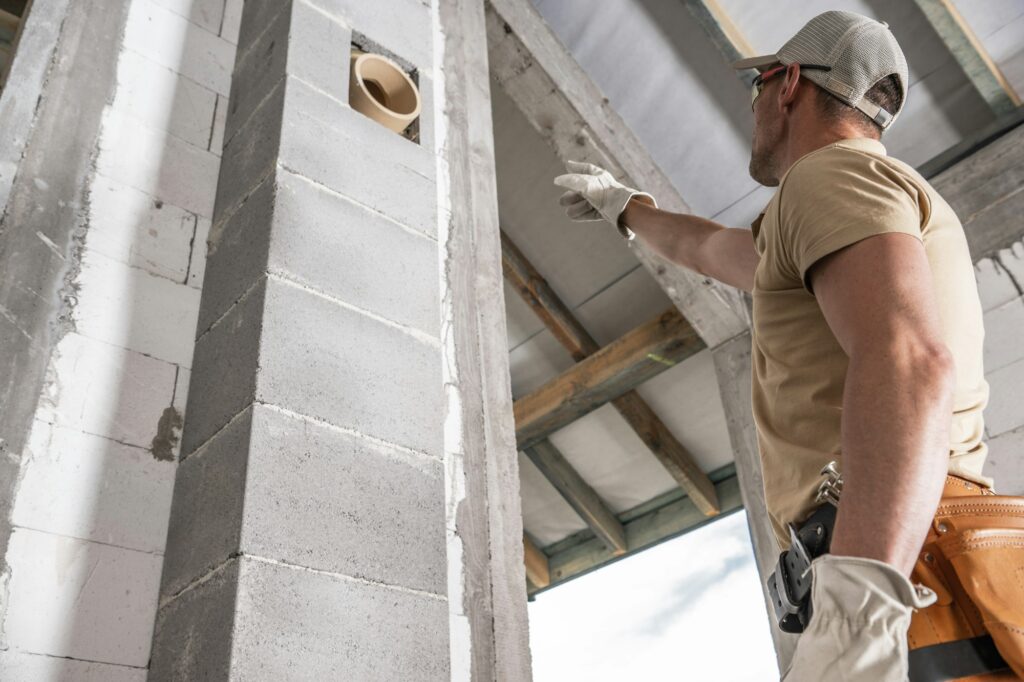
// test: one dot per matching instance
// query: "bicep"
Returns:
(877, 293)
(729, 256)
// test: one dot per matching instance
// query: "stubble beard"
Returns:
(763, 162)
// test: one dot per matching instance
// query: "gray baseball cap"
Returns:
(852, 53)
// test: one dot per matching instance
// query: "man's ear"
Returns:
(790, 86)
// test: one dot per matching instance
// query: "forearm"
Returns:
(895, 449)
(696, 243)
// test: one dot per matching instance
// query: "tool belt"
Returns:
(973, 559)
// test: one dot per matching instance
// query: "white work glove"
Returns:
(861, 611)
(594, 194)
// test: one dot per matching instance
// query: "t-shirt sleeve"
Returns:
(839, 197)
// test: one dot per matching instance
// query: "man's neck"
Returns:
(813, 138)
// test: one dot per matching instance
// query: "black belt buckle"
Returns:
(790, 584)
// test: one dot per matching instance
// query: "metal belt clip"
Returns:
(832, 487)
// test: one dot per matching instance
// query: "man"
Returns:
(867, 329)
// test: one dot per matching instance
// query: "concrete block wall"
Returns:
(91, 508)
(307, 532)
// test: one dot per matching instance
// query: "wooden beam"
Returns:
(968, 51)
(539, 295)
(561, 102)
(537, 571)
(666, 517)
(617, 368)
(580, 496)
(723, 34)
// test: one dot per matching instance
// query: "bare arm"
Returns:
(878, 299)
(725, 254)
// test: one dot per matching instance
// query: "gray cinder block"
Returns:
(274, 485)
(292, 226)
(193, 634)
(351, 155)
(400, 26)
(320, 359)
(224, 370)
(295, 624)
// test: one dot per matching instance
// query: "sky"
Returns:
(688, 609)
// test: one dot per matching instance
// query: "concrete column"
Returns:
(733, 369)
(307, 536)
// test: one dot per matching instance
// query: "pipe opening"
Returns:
(380, 89)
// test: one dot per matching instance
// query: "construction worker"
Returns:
(867, 331)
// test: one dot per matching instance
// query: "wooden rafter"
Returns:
(968, 51)
(557, 317)
(572, 115)
(537, 571)
(578, 493)
(617, 368)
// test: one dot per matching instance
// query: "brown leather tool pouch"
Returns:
(974, 560)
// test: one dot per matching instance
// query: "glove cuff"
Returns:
(624, 230)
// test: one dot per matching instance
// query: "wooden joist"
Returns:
(537, 571)
(661, 519)
(538, 294)
(580, 496)
(968, 51)
(615, 369)
(557, 317)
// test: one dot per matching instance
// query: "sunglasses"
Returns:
(758, 84)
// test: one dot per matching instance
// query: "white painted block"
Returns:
(158, 163)
(81, 599)
(93, 488)
(164, 100)
(995, 286)
(1012, 259)
(220, 116)
(1005, 462)
(105, 390)
(20, 666)
(166, 38)
(1005, 410)
(131, 308)
(232, 20)
(197, 265)
(1004, 335)
(133, 228)
(205, 13)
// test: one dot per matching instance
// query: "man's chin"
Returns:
(762, 176)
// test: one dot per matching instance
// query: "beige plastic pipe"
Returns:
(380, 89)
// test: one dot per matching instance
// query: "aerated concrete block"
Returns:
(293, 348)
(277, 486)
(292, 226)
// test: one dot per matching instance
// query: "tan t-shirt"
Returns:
(829, 199)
